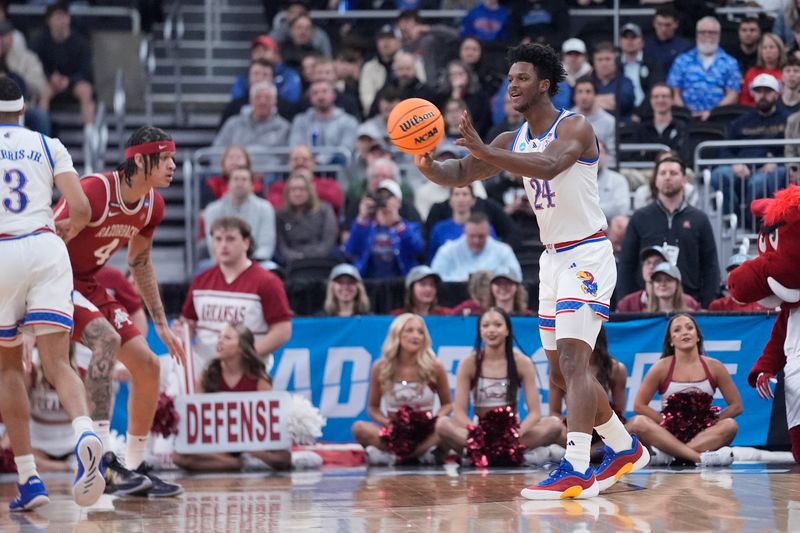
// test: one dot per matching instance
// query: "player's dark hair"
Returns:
(602, 358)
(251, 364)
(669, 349)
(511, 363)
(545, 62)
(235, 223)
(145, 134)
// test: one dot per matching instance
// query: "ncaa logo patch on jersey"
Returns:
(588, 285)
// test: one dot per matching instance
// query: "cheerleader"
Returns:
(407, 379)
(236, 368)
(491, 376)
(687, 428)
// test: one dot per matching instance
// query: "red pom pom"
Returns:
(165, 421)
(688, 413)
(406, 430)
(495, 440)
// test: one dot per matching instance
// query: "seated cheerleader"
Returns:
(611, 374)
(407, 378)
(236, 368)
(687, 428)
(492, 375)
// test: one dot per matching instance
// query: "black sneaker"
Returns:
(123, 482)
(160, 488)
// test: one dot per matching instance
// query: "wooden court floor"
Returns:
(743, 498)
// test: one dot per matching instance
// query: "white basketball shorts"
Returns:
(35, 286)
(575, 287)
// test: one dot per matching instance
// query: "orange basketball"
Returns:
(415, 126)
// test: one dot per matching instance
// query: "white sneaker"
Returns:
(378, 457)
(428, 458)
(659, 458)
(721, 457)
(537, 456)
(304, 460)
(557, 452)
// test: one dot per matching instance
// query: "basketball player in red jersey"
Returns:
(125, 210)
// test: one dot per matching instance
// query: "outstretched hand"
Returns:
(470, 138)
(763, 385)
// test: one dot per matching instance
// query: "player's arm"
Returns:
(575, 137)
(80, 212)
(141, 266)
(462, 172)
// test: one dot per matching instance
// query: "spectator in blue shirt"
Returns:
(382, 243)
(488, 21)
(607, 76)
(473, 251)
(705, 77)
(286, 79)
(462, 199)
(666, 45)
(766, 121)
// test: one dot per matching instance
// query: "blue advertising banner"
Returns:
(329, 361)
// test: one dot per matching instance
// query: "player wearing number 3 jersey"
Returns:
(35, 293)
(125, 211)
(556, 153)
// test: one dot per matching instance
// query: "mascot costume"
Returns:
(772, 279)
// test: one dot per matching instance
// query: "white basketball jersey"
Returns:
(567, 207)
(28, 163)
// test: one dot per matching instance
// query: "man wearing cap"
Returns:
(475, 250)
(287, 80)
(665, 45)
(381, 242)
(640, 69)
(636, 302)
(126, 210)
(376, 71)
(257, 124)
(684, 233)
(422, 286)
(705, 77)
(727, 303)
(576, 64)
(742, 182)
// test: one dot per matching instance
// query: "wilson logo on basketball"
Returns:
(416, 119)
(427, 135)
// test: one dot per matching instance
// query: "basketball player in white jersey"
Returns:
(36, 294)
(556, 152)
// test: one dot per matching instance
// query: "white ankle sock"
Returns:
(81, 425)
(578, 446)
(26, 467)
(614, 434)
(134, 454)
(101, 428)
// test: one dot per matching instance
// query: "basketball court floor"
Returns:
(741, 498)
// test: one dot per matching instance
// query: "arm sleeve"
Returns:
(773, 359)
(155, 218)
(274, 303)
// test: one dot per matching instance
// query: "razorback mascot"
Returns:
(772, 279)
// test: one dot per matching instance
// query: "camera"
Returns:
(380, 198)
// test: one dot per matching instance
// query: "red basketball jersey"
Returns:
(113, 222)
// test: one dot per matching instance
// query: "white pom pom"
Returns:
(305, 422)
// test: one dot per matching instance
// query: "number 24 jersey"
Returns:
(113, 223)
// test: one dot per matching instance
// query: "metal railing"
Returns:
(84, 11)
(173, 34)
(207, 162)
(626, 148)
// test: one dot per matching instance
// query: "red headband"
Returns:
(155, 147)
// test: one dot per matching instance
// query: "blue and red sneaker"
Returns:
(564, 482)
(617, 464)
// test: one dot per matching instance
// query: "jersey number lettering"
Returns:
(542, 195)
(16, 181)
(104, 252)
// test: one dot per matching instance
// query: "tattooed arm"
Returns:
(141, 266)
